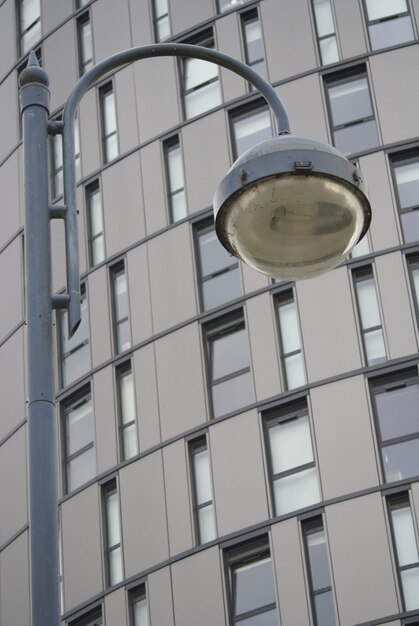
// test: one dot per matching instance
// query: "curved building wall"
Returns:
(232, 450)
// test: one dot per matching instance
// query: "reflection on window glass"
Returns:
(319, 573)
(326, 35)
(406, 179)
(202, 488)
(406, 549)
(218, 271)
(294, 476)
(352, 117)
(389, 23)
(230, 377)
(396, 410)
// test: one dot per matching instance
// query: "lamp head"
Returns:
(291, 207)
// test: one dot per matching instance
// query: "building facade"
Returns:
(232, 450)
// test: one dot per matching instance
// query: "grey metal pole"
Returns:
(43, 492)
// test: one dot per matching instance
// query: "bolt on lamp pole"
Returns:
(287, 191)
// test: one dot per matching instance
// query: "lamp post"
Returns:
(291, 207)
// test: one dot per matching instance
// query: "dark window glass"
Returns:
(396, 407)
(406, 182)
(352, 117)
(252, 585)
(230, 377)
(218, 272)
(249, 126)
(389, 23)
(319, 573)
(79, 452)
(405, 548)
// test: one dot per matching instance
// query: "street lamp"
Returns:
(291, 207)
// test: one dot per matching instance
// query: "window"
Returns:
(57, 158)
(289, 331)
(175, 179)
(389, 23)
(294, 477)
(395, 403)
(319, 573)
(79, 450)
(139, 607)
(121, 325)
(413, 265)
(406, 183)
(218, 271)
(108, 123)
(406, 548)
(362, 248)
(202, 490)
(225, 5)
(200, 81)
(113, 549)
(253, 43)
(231, 383)
(161, 19)
(126, 411)
(369, 316)
(29, 16)
(75, 352)
(84, 43)
(81, 3)
(249, 126)
(252, 586)
(93, 618)
(354, 128)
(326, 31)
(96, 235)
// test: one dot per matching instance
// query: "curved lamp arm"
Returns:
(69, 166)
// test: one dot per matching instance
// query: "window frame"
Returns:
(284, 297)
(394, 501)
(239, 555)
(159, 18)
(389, 18)
(195, 446)
(218, 327)
(91, 189)
(62, 329)
(121, 370)
(105, 90)
(138, 591)
(361, 273)
(118, 269)
(84, 64)
(403, 378)
(206, 39)
(249, 16)
(346, 76)
(281, 414)
(172, 143)
(243, 113)
(403, 158)
(69, 403)
(309, 526)
(21, 33)
(202, 228)
(110, 488)
(320, 38)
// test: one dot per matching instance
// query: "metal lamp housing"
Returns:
(291, 207)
